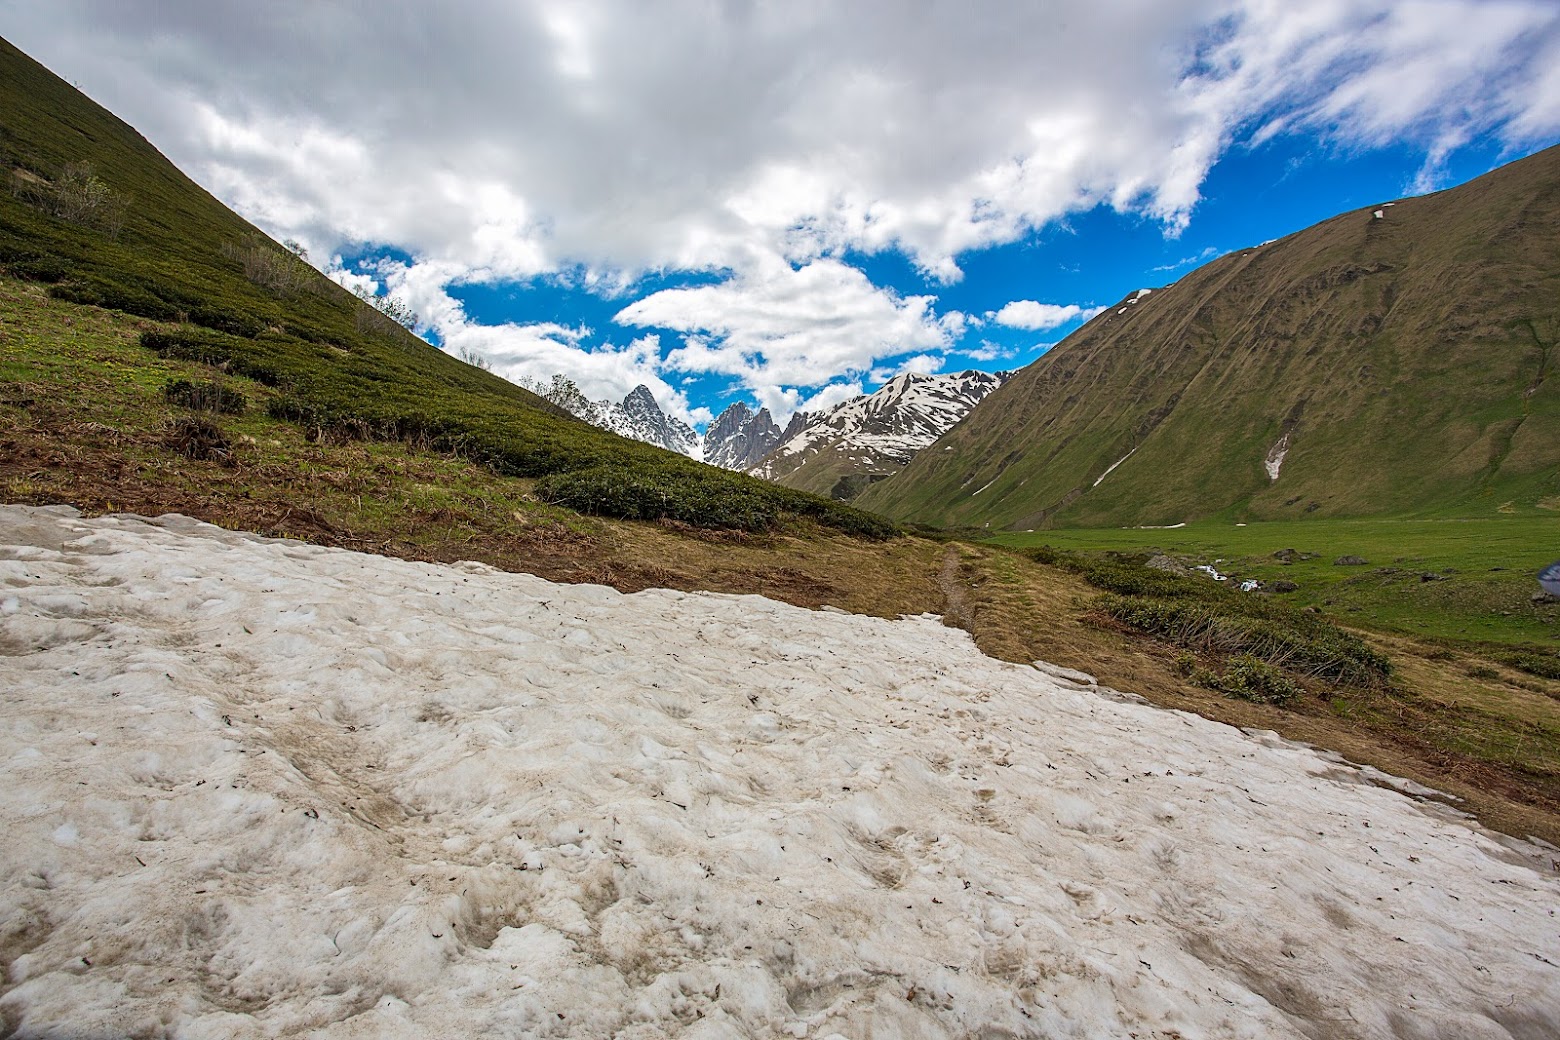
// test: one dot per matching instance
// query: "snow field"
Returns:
(256, 789)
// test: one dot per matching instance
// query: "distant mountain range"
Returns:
(1397, 359)
(736, 440)
(865, 439)
(837, 452)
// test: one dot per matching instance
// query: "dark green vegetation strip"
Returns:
(706, 497)
(94, 212)
(1203, 615)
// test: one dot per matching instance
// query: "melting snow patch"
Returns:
(1275, 456)
(456, 802)
(1112, 466)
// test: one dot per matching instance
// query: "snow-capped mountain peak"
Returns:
(638, 416)
(877, 433)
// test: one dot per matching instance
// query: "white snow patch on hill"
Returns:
(259, 789)
(1111, 468)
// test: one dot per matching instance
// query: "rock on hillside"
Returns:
(739, 437)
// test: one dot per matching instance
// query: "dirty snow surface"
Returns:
(256, 789)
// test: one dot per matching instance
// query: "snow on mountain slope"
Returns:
(263, 789)
(639, 416)
(879, 432)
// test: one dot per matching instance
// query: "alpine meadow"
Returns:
(1188, 676)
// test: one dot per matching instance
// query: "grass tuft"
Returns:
(205, 397)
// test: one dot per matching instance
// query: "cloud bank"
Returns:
(496, 142)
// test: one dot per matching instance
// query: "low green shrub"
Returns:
(1300, 642)
(1128, 577)
(1251, 679)
(124, 298)
(1052, 556)
(208, 349)
(1543, 663)
(47, 269)
(205, 397)
(700, 496)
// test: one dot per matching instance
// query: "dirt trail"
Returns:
(956, 609)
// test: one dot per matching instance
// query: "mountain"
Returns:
(739, 437)
(867, 438)
(639, 416)
(1396, 359)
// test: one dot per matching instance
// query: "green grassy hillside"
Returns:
(1402, 363)
(99, 216)
(834, 469)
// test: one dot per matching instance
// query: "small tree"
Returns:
(380, 314)
(77, 195)
(282, 274)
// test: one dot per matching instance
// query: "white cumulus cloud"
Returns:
(1028, 314)
(778, 325)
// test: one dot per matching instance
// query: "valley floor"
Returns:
(261, 788)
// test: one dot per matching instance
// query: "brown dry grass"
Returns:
(1434, 726)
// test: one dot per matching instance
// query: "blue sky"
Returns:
(790, 203)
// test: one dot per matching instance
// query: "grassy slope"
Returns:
(1408, 357)
(821, 470)
(83, 421)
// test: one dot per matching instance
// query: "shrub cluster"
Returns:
(76, 195)
(1194, 612)
(702, 496)
(207, 349)
(1250, 679)
(382, 315)
(205, 397)
(1302, 643)
(1543, 663)
(282, 274)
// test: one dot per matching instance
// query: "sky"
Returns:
(789, 203)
